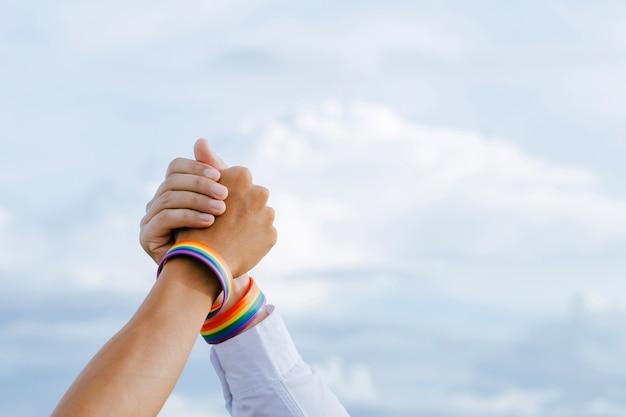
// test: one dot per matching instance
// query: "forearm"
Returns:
(134, 373)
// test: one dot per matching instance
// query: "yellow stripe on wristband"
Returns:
(237, 318)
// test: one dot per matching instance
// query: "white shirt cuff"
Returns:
(257, 357)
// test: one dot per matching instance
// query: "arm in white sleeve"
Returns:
(262, 374)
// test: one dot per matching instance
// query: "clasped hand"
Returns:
(204, 200)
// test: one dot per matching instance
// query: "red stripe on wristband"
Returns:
(237, 318)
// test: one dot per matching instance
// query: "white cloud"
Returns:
(369, 159)
(523, 403)
(96, 26)
(23, 346)
(594, 20)
(353, 384)
(354, 185)
(299, 297)
(605, 407)
(303, 243)
(99, 252)
(4, 242)
(596, 303)
(178, 405)
(4, 217)
(358, 186)
(107, 255)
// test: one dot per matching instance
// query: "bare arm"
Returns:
(260, 368)
(134, 373)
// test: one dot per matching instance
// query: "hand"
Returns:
(244, 233)
(190, 197)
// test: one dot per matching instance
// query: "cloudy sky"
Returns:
(448, 182)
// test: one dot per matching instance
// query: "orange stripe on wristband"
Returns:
(237, 318)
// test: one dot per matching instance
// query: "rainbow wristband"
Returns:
(237, 318)
(210, 258)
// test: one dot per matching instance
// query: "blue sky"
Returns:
(447, 177)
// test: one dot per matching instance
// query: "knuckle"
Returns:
(271, 214)
(273, 235)
(187, 216)
(242, 173)
(260, 195)
(165, 200)
(194, 200)
(162, 216)
(198, 201)
(198, 182)
(264, 193)
(167, 184)
(173, 166)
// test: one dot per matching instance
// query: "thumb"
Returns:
(203, 153)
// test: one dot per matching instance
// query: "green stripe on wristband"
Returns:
(237, 318)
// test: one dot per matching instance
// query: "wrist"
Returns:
(212, 263)
(184, 289)
(193, 274)
(220, 244)
(242, 315)
(240, 287)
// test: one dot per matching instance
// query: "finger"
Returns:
(165, 221)
(193, 183)
(189, 166)
(185, 200)
(272, 233)
(148, 204)
(188, 200)
(203, 153)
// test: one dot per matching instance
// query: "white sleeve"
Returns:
(262, 374)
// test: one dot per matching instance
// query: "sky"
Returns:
(447, 178)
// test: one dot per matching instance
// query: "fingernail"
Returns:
(205, 217)
(212, 173)
(219, 190)
(217, 205)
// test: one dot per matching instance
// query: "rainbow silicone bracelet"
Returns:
(210, 258)
(237, 318)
